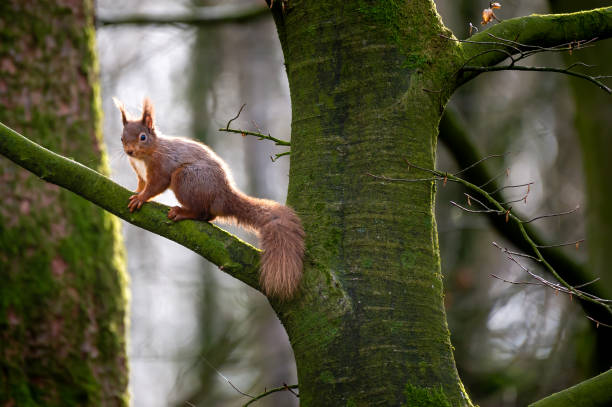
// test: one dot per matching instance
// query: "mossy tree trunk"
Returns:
(368, 84)
(62, 272)
(369, 81)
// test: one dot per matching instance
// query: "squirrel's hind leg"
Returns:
(177, 213)
(187, 183)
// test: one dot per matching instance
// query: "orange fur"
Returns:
(203, 185)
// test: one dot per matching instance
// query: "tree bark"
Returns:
(63, 301)
(364, 80)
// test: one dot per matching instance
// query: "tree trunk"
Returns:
(366, 97)
(63, 302)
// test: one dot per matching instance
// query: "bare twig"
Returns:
(512, 186)
(553, 214)
(279, 155)
(476, 210)
(226, 379)
(512, 67)
(284, 387)
(599, 323)
(495, 178)
(517, 253)
(235, 117)
(574, 243)
(261, 136)
(479, 162)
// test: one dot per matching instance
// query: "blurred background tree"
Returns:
(62, 269)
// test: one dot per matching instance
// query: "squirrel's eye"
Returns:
(143, 137)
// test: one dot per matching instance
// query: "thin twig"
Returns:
(553, 214)
(513, 67)
(261, 136)
(587, 283)
(599, 323)
(279, 155)
(479, 162)
(504, 172)
(476, 210)
(521, 199)
(235, 117)
(512, 186)
(226, 379)
(515, 253)
(470, 198)
(516, 282)
(575, 243)
(284, 387)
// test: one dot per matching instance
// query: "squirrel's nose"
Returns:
(129, 152)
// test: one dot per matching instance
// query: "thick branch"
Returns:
(523, 33)
(204, 16)
(590, 393)
(232, 255)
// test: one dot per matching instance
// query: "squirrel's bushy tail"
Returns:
(282, 240)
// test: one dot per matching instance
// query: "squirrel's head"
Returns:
(138, 137)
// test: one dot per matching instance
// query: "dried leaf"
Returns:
(487, 16)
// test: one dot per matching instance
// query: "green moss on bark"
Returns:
(356, 71)
(425, 397)
(63, 296)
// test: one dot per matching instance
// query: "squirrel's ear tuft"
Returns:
(147, 114)
(121, 108)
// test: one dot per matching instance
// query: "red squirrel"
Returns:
(203, 185)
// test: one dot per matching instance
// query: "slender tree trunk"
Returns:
(62, 273)
(365, 98)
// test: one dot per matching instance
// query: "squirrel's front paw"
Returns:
(136, 202)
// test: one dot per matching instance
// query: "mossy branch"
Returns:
(589, 393)
(523, 34)
(232, 255)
